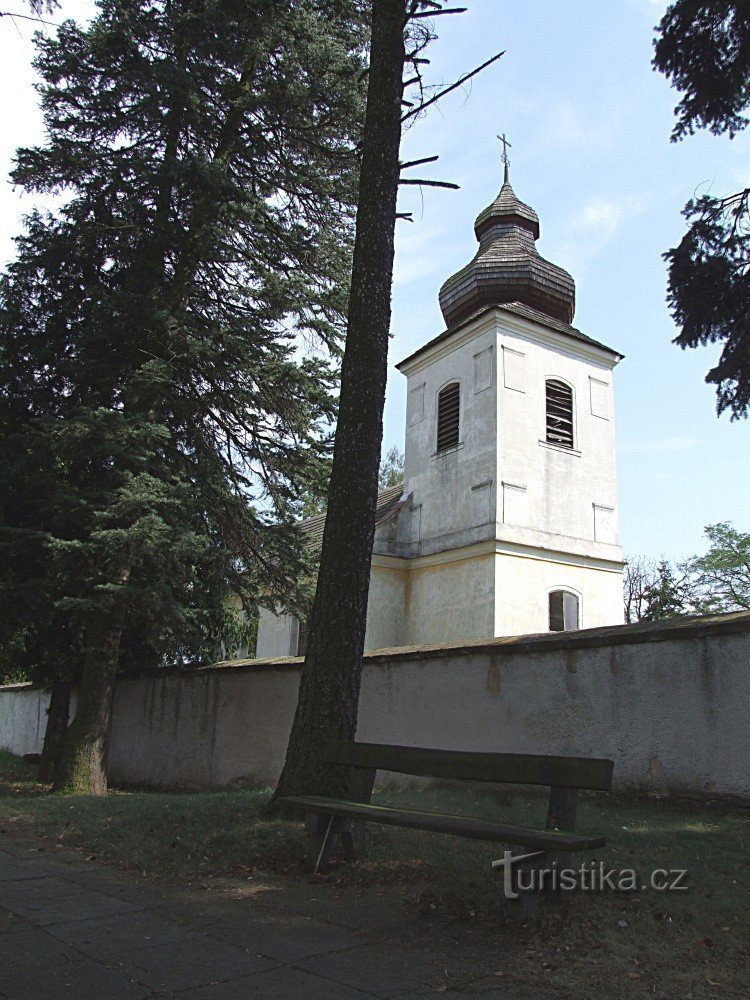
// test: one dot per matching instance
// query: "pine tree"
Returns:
(330, 682)
(153, 324)
(665, 597)
(703, 46)
(329, 686)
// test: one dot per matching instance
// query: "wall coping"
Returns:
(610, 635)
(735, 623)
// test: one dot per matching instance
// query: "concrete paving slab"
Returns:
(40, 862)
(11, 923)
(280, 984)
(31, 948)
(12, 870)
(383, 971)
(196, 962)
(123, 886)
(54, 900)
(123, 932)
(83, 980)
(84, 932)
(25, 891)
(285, 938)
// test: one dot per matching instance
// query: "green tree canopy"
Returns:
(203, 157)
(721, 577)
(391, 471)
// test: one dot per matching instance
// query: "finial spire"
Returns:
(506, 160)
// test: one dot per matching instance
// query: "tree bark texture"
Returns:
(82, 769)
(330, 681)
(58, 714)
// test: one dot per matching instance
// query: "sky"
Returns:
(589, 121)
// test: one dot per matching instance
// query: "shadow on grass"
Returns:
(441, 891)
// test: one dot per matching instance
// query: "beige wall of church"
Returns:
(524, 582)
(385, 606)
(277, 635)
(449, 600)
(560, 487)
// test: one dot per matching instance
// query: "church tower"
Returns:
(510, 452)
(506, 523)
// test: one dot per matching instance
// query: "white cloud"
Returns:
(601, 215)
(590, 227)
(564, 126)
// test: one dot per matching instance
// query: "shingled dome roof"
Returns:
(507, 267)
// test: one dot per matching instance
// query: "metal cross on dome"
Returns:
(506, 146)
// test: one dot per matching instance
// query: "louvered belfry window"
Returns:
(447, 421)
(559, 414)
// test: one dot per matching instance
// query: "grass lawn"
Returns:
(611, 944)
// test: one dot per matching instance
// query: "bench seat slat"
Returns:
(465, 826)
(460, 765)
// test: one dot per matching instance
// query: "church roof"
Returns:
(518, 309)
(507, 266)
(388, 504)
(507, 207)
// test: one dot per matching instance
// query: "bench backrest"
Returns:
(460, 765)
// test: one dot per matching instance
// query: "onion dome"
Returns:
(507, 267)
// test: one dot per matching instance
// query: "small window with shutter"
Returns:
(564, 610)
(559, 414)
(448, 417)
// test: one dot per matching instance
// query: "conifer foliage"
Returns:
(170, 329)
(703, 47)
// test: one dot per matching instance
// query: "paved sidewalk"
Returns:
(78, 930)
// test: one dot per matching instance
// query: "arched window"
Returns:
(448, 417)
(559, 413)
(564, 611)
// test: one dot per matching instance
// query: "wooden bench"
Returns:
(327, 818)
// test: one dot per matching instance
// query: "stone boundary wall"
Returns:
(668, 702)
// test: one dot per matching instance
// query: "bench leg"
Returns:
(526, 881)
(320, 831)
(559, 861)
(561, 815)
(348, 846)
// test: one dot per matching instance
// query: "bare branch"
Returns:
(27, 17)
(453, 86)
(426, 183)
(437, 13)
(416, 163)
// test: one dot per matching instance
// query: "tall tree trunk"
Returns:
(329, 687)
(57, 725)
(81, 770)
